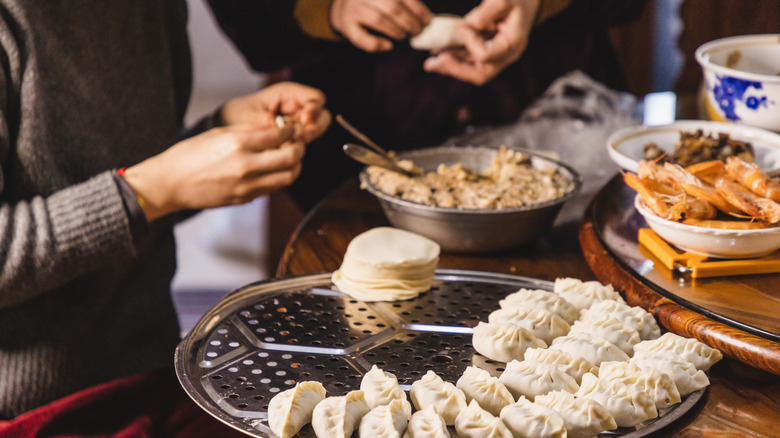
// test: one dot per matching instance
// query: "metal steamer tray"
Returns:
(263, 338)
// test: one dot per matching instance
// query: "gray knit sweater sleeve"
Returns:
(86, 87)
(45, 242)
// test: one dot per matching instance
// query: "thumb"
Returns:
(484, 16)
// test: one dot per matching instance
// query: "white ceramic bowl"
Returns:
(713, 242)
(741, 79)
(626, 146)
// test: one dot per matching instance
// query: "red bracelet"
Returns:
(121, 171)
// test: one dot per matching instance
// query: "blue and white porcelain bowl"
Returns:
(742, 79)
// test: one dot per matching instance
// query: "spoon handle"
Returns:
(352, 130)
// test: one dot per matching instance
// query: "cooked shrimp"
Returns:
(695, 187)
(707, 192)
(660, 189)
(760, 208)
(752, 177)
(708, 171)
(656, 202)
(655, 177)
(691, 208)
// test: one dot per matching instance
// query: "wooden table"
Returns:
(742, 401)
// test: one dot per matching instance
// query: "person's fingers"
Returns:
(420, 10)
(310, 111)
(397, 20)
(270, 160)
(473, 41)
(447, 64)
(504, 46)
(293, 96)
(316, 127)
(257, 125)
(484, 16)
(366, 41)
(254, 138)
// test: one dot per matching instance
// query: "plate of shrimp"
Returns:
(688, 141)
(714, 208)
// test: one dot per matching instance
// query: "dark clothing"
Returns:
(394, 101)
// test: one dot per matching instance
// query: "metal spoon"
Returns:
(360, 136)
(371, 158)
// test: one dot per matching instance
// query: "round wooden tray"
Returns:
(736, 314)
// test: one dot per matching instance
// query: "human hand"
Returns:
(223, 166)
(303, 105)
(359, 21)
(495, 34)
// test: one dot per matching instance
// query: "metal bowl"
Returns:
(472, 230)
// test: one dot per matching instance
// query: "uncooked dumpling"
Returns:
(638, 318)
(292, 409)
(387, 421)
(623, 336)
(440, 33)
(544, 324)
(629, 406)
(530, 378)
(475, 422)
(659, 386)
(525, 418)
(477, 384)
(338, 417)
(685, 375)
(594, 349)
(387, 264)
(503, 342)
(445, 398)
(701, 355)
(541, 299)
(583, 417)
(575, 366)
(426, 423)
(583, 294)
(380, 388)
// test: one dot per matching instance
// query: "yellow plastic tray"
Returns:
(699, 266)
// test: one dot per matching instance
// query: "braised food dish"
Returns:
(695, 147)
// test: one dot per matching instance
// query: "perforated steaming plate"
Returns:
(263, 338)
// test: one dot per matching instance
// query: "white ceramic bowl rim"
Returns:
(720, 232)
(704, 52)
(756, 136)
(576, 179)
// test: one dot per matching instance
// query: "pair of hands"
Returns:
(495, 33)
(250, 156)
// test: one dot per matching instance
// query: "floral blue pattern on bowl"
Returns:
(729, 90)
(742, 80)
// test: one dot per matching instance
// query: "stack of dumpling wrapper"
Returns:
(387, 264)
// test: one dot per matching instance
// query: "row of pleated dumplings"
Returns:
(579, 361)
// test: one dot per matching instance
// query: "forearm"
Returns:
(50, 241)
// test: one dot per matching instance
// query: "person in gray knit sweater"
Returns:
(86, 256)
